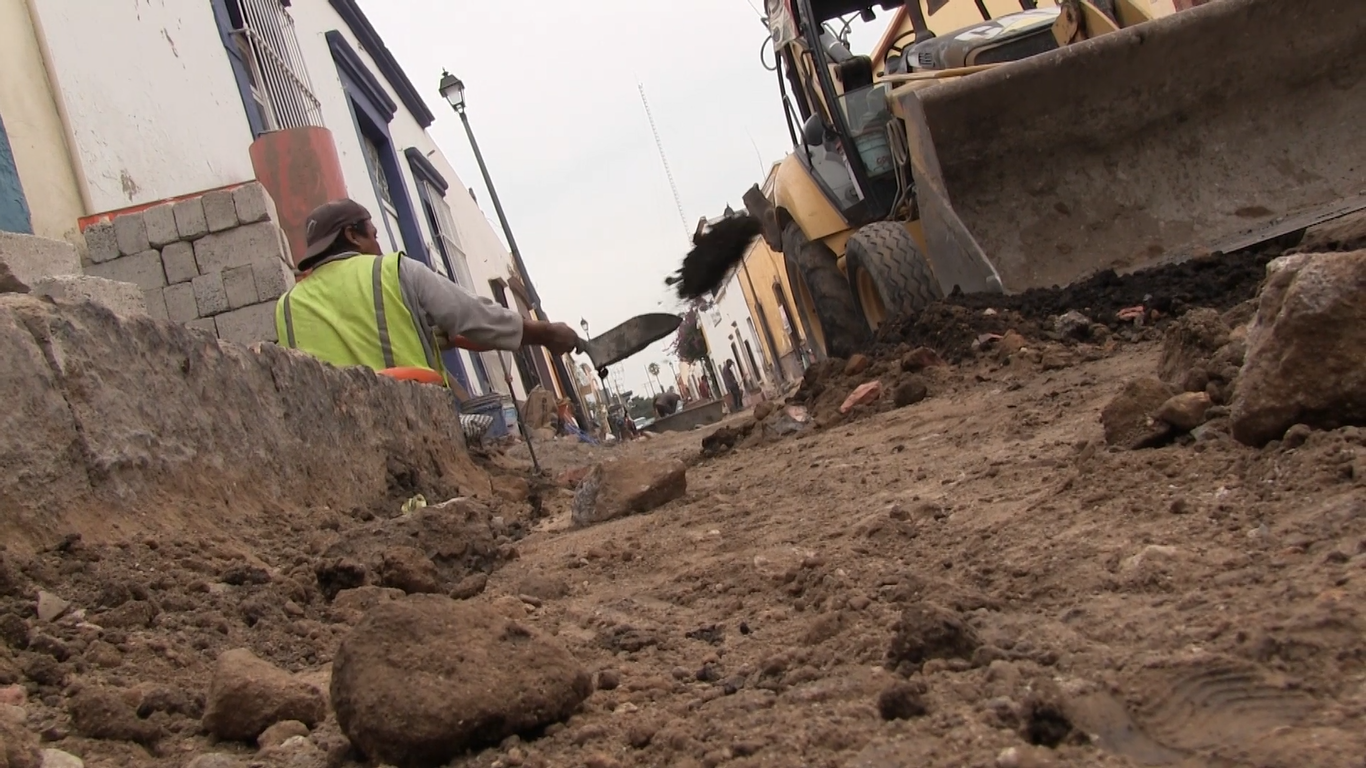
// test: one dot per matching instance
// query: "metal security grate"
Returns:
(280, 83)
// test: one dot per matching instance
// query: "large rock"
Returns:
(1130, 418)
(106, 412)
(249, 695)
(1186, 411)
(426, 678)
(1306, 350)
(31, 258)
(406, 568)
(628, 486)
(124, 299)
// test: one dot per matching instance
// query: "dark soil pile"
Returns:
(953, 326)
(1218, 282)
(952, 330)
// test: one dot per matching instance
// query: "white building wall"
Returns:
(727, 322)
(153, 106)
(35, 128)
(155, 113)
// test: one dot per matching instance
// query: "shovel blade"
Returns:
(631, 337)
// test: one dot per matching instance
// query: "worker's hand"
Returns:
(559, 338)
(563, 339)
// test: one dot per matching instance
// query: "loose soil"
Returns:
(933, 585)
(1215, 282)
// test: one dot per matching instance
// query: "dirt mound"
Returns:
(1217, 282)
(955, 326)
(953, 330)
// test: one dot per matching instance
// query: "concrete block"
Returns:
(130, 230)
(143, 270)
(124, 299)
(189, 218)
(248, 324)
(209, 295)
(161, 228)
(100, 242)
(178, 259)
(156, 304)
(30, 258)
(240, 285)
(253, 244)
(205, 324)
(272, 279)
(254, 204)
(181, 306)
(220, 210)
(286, 252)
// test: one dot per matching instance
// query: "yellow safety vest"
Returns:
(351, 312)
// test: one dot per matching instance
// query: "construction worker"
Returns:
(666, 403)
(357, 306)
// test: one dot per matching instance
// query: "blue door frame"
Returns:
(14, 213)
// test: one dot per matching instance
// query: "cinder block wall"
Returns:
(216, 262)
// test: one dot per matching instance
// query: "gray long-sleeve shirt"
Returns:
(441, 303)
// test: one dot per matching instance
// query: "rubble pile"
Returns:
(1288, 361)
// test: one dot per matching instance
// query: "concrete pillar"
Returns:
(300, 169)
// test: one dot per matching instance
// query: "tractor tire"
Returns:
(883, 259)
(814, 273)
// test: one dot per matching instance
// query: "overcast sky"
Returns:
(552, 96)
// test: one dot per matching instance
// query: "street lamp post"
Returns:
(453, 91)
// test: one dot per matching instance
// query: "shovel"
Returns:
(604, 351)
(612, 347)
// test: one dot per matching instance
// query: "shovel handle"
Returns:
(463, 342)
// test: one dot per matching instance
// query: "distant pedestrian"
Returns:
(666, 403)
(737, 395)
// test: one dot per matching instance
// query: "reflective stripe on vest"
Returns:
(351, 312)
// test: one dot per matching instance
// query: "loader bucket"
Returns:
(1206, 131)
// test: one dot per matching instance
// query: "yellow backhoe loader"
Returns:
(1037, 147)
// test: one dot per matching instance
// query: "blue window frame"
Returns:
(225, 16)
(373, 110)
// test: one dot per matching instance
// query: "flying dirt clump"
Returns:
(424, 679)
(714, 252)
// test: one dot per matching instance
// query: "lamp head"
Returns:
(453, 91)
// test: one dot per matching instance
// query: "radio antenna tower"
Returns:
(678, 201)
